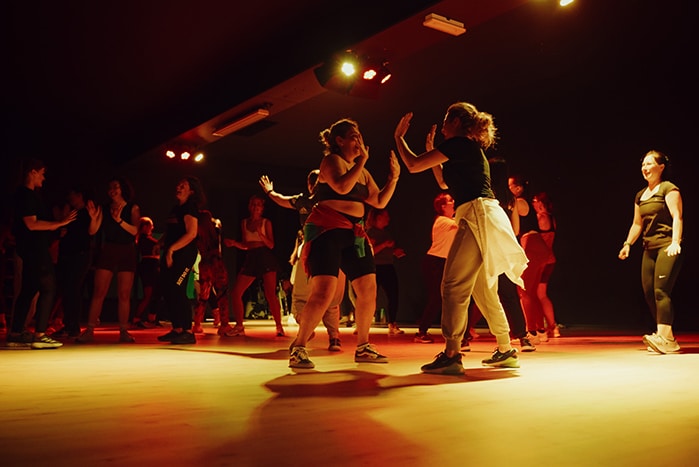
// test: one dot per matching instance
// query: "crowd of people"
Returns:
(492, 251)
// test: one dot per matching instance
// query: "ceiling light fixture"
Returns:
(243, 121)
(444, 24)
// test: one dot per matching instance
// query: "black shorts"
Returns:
(258, 262)
(334, 250)
(117, 257)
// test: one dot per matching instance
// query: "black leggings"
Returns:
(387, 279)
(658, 275)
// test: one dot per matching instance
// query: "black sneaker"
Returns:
(443, 365)
(335, 345)
(19, 340)
(526, 345)
(169, 336)
(298, 358)
(421, 338)
(503, 360)
(465, 345)
(184, 338)
(367, 353)
(45, 342)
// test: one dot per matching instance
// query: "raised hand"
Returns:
(394, 166)
(429, 140)
(403, 125)
(266, 184)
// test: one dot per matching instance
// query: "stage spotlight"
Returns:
(349, 74)
(185, 155)
(199, 157)
(170, 154)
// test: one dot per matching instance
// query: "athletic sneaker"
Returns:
(367, 353)
(661, 344)
(443, 365)
(533, 338)
(465, 345)
(298, 358)
(167, 337)
(22, 340)
(184, 337)
(423, 338)
(45, 342)
(394, 330)
(503, 359)
(88, 335)
(556, 331)
(526, 345)
(125, 337)
(335, 345)
(231, 331)
(542, 335)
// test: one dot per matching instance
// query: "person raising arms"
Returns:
(484, 245)
(335, 238)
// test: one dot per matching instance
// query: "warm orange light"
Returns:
(199, 157)
(170, 153)
(185, 155)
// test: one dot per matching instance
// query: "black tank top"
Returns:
(324, 192)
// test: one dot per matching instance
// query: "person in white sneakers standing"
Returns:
(657, 219)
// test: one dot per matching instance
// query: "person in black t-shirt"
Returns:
(31, 225)
(484, 246)
(180, 253)
(74, 261)
(117, 225)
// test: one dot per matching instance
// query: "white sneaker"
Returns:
(394, 330)
(543, 336)
(661, 344)
(533, 338)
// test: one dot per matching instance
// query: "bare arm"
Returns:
(268, 187)
(674, 204)
(415, 163)
(437, 169)
(634, 233)
(266, 234)
(95, 213)
(333, 172)
(33, 223)
(379, 198)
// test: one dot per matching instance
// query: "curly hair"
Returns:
(339, 128)
(475, 125)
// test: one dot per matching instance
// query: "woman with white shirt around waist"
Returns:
(484, 245)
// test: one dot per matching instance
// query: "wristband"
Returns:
(121, 221)
(627, 244)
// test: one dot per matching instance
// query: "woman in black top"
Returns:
(657, 218)
(117, 224)
(180, 247)
(484, 245)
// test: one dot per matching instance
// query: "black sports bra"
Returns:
(358, 192)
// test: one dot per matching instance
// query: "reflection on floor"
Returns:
(587, 398)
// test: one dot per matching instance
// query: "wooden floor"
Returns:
(587, 398)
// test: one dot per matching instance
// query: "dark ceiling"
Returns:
(120, 78)
(117, 80)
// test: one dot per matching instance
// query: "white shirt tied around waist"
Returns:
(496, 240)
